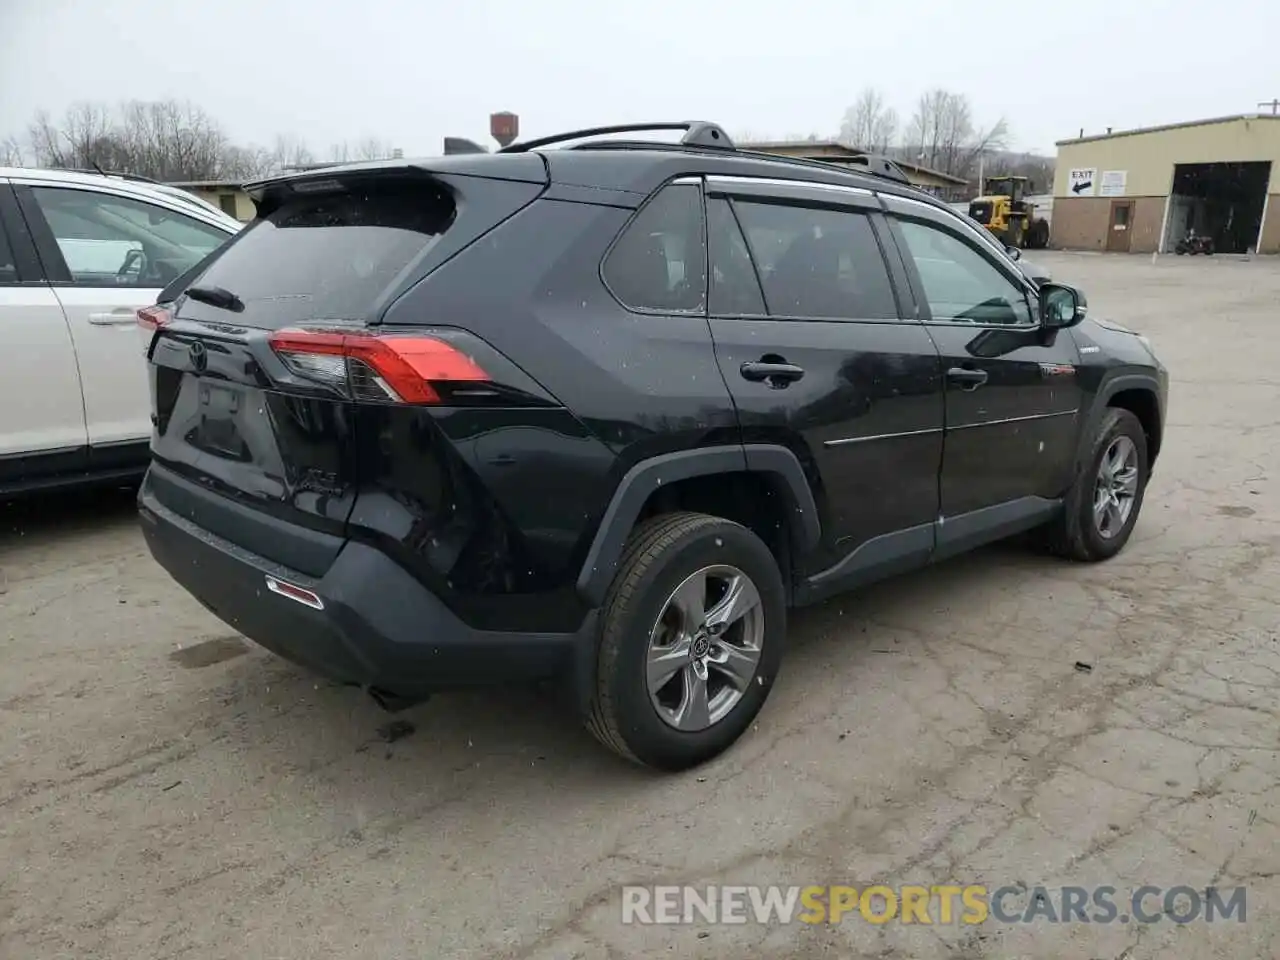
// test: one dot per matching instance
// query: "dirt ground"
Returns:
(167, 791)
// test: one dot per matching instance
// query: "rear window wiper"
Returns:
(216, 297)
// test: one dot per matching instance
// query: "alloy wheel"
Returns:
(704, 650)
(1115, 489)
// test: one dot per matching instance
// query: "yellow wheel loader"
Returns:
(1004, 209)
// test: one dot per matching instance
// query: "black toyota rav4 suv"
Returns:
(601, 410)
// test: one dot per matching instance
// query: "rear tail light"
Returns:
(153, 318)
(399, 369)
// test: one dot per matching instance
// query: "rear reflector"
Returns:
(153, 318)
(304, 597)
(366, 367)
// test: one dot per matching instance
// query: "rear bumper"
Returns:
(379, 627)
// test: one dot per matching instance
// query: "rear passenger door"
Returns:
(42, 430)
(820, 357)
(109, 254)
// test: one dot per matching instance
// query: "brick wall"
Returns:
(1082, 223)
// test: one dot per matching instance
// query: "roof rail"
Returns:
(697, 133)
(881, 167)
(869, 163)
(118, 174)
(702, 135)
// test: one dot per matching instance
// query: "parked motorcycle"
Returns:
(1194, 243)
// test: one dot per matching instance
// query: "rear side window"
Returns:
(330, 256)
(659, 262)
(816, 262)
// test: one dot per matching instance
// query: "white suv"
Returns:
(79, 254)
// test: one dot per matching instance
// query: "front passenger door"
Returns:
(1012, 396)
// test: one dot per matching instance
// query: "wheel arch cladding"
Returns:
(778, 467)
(1138, 395)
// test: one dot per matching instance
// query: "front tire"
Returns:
(1103, 503)
(691, 637)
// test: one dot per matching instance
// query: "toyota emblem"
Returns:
(199, 356)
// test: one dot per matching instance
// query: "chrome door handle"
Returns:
(116, 318)
(967, 377)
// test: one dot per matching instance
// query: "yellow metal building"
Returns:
(225, 194)
(1139, 191)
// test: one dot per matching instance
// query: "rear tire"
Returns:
(1103, 503)
(668, 578)
(1040, 235)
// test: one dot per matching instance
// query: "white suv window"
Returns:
(112, 241)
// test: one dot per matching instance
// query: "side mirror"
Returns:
(1013, 252)
(1061, 306)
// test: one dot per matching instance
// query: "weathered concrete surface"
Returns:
(166, 792)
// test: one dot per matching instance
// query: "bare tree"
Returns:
(247, 163)
(11, 152)
(371, 148)
(84, 133)
(291, 152)
(870, 123)
(942, 134)
(166, 140)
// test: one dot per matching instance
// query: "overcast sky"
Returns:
(412, 71)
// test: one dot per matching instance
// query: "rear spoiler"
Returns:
(269, 193)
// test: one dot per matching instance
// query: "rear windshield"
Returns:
(329, 256)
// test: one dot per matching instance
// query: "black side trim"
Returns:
(14, 226)
(55, 267)
(877, 558)
(914, 547)
(779, 464)
(571, 193)
(1108, 389)
(1127, 381)
(127, 454)
(47, 470)
(962, 533)
(788, 480)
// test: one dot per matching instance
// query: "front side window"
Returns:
(110, 241)
(816, 262)
(961, 283)
(659, 262)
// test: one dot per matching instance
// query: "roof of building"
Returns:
(1169, 126)
(812, 150)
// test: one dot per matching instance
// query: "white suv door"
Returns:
(117, 252)
(41, 410)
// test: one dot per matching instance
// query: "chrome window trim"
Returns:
(728, 180)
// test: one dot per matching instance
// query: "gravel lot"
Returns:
(167, 791)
